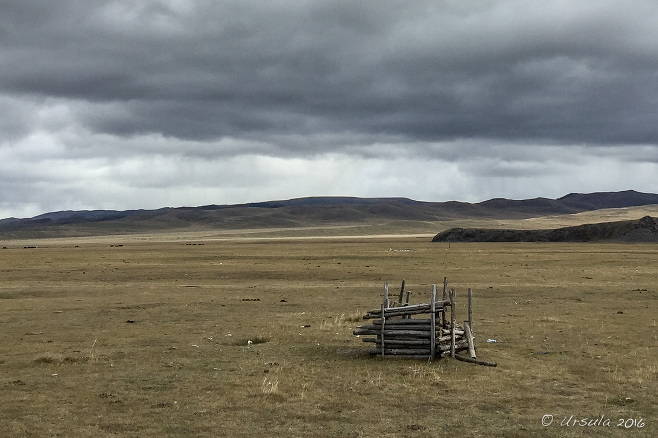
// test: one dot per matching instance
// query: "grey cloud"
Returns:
(502, 89)
(425, 70)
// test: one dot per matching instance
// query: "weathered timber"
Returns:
(433, 324)
(381, 334)
(469, 338)
(399, 341)
(457, 331)
(404, 309)
(412, 340)
(401, 351)
(459, 346)
(451, 295)
(417, 321)
(395, 333)
(470, 308)
(444, 297)
(393, 326)
(386, 332)
(417, 351)
(397, 312)
(476, 361)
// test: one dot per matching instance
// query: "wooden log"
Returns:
(377, 327)
(402, 310)
(469, 338)
(419, 350)
(476, 361)
(452, 322)
(458, 332)
(403, 356)
(461, 345)
(401, 292)
(416, 321)
(447, 352)
(396, 341)
(447, 339)
(386, 333)
(417, 341)
(386, 295)
(403, 351)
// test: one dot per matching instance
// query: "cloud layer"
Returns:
(144, 104)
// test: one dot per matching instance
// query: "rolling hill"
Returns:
(307, 212)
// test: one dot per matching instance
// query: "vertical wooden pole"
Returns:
(383, 327)
(433, 323)
(445, 292)
(469, 338)
(470, 308)
(406, 303)
(401, 292)
(452, 322)
(386, 294)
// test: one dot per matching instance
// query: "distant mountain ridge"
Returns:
(310, 211)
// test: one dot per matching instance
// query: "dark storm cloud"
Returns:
(137, 104)
(430, 71)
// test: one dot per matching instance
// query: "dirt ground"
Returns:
(206, 335)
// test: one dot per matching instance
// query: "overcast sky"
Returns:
(143, 104)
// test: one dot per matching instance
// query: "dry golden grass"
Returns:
(248, 337)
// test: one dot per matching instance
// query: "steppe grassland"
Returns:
(246, 337)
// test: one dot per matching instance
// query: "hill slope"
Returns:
(307, 212)
(642, 230)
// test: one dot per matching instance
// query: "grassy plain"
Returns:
(149, 336)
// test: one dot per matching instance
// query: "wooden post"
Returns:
(401, 292)
(386, 294)
(433, 323)
(469, 338)
(406, 303)
(445, 292)
(452, 322)
(383, 327)
(470, 308)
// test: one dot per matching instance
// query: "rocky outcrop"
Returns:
(642, 230)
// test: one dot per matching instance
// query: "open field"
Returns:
(148, 336)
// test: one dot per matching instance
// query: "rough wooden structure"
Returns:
(421, 330)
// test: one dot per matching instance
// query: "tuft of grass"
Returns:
(47, 359)
(270, 386)
(249, 340)
(60, 360)
(342, 320)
